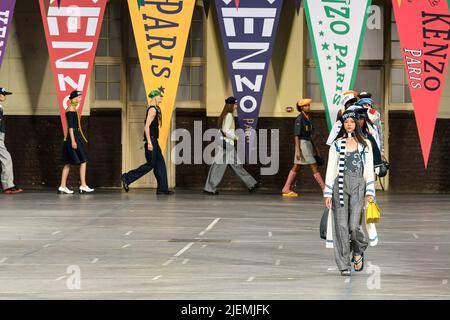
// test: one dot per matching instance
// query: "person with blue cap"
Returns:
(7, 176)
(74, 147)
(373, 117)
(153, 153)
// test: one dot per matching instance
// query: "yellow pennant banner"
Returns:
(161, 29)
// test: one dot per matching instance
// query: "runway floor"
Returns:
(194, 246)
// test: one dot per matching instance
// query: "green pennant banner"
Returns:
(336, 29)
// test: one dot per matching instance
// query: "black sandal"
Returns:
(357, 262)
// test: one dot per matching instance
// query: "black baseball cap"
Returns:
(364, 94)
(230, 100)
(75, 94)
(4, 92)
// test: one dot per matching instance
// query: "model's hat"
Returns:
(349, 97)
(363, 101)
(358, 109)
(4, 92)
(350, 114)
(304, 102)
(155, 93)
(75, 94)
(230, 100)
(364, 94)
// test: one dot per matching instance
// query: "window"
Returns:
(396, 51)
(399, 92)
(107, 72)
(191, 86)
(110, 40)
(399, 86)
(107, 82)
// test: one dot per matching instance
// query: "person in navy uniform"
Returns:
(74, 146)
(153, 153)
(7, 176)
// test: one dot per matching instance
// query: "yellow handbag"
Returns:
(372, 213)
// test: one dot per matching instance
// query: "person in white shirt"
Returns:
(349, 179)
(227, 152)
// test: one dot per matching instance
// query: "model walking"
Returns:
(153, 152)
(74, 147)
(373, 118)
(227, 153)
(305, 148)
(7, 177)
(349, 179)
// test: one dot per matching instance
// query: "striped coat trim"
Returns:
(341, 171)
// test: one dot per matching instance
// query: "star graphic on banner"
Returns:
(162, 89)
(325, 46)
(321, 34)
(328, 57)
(320, 22)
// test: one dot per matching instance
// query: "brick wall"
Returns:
(407, 167)
(35, 144)
(194, 176)
(407, 170)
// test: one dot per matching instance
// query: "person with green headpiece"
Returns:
(153, 153)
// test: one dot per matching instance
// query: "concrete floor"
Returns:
(193, 246)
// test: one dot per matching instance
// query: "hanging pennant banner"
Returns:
(206, 5)
(72, 32)
(161, 30)
(248, 35)
(424, 31)
(6, 14)
(297, 5)
(336, 29)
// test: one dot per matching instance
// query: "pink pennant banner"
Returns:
(72, 31)
(424, 31)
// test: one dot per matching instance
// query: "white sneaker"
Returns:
(65, 190)
(86, 189)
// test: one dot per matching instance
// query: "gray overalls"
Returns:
(347, 233)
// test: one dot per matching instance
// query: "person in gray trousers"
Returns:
(7, 176)
(349, 180)
(227, 155)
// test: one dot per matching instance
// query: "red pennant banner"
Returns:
(424, 31)
(72, 32)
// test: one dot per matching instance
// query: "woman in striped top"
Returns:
(349, 179)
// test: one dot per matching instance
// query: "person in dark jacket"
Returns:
(74, 147)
